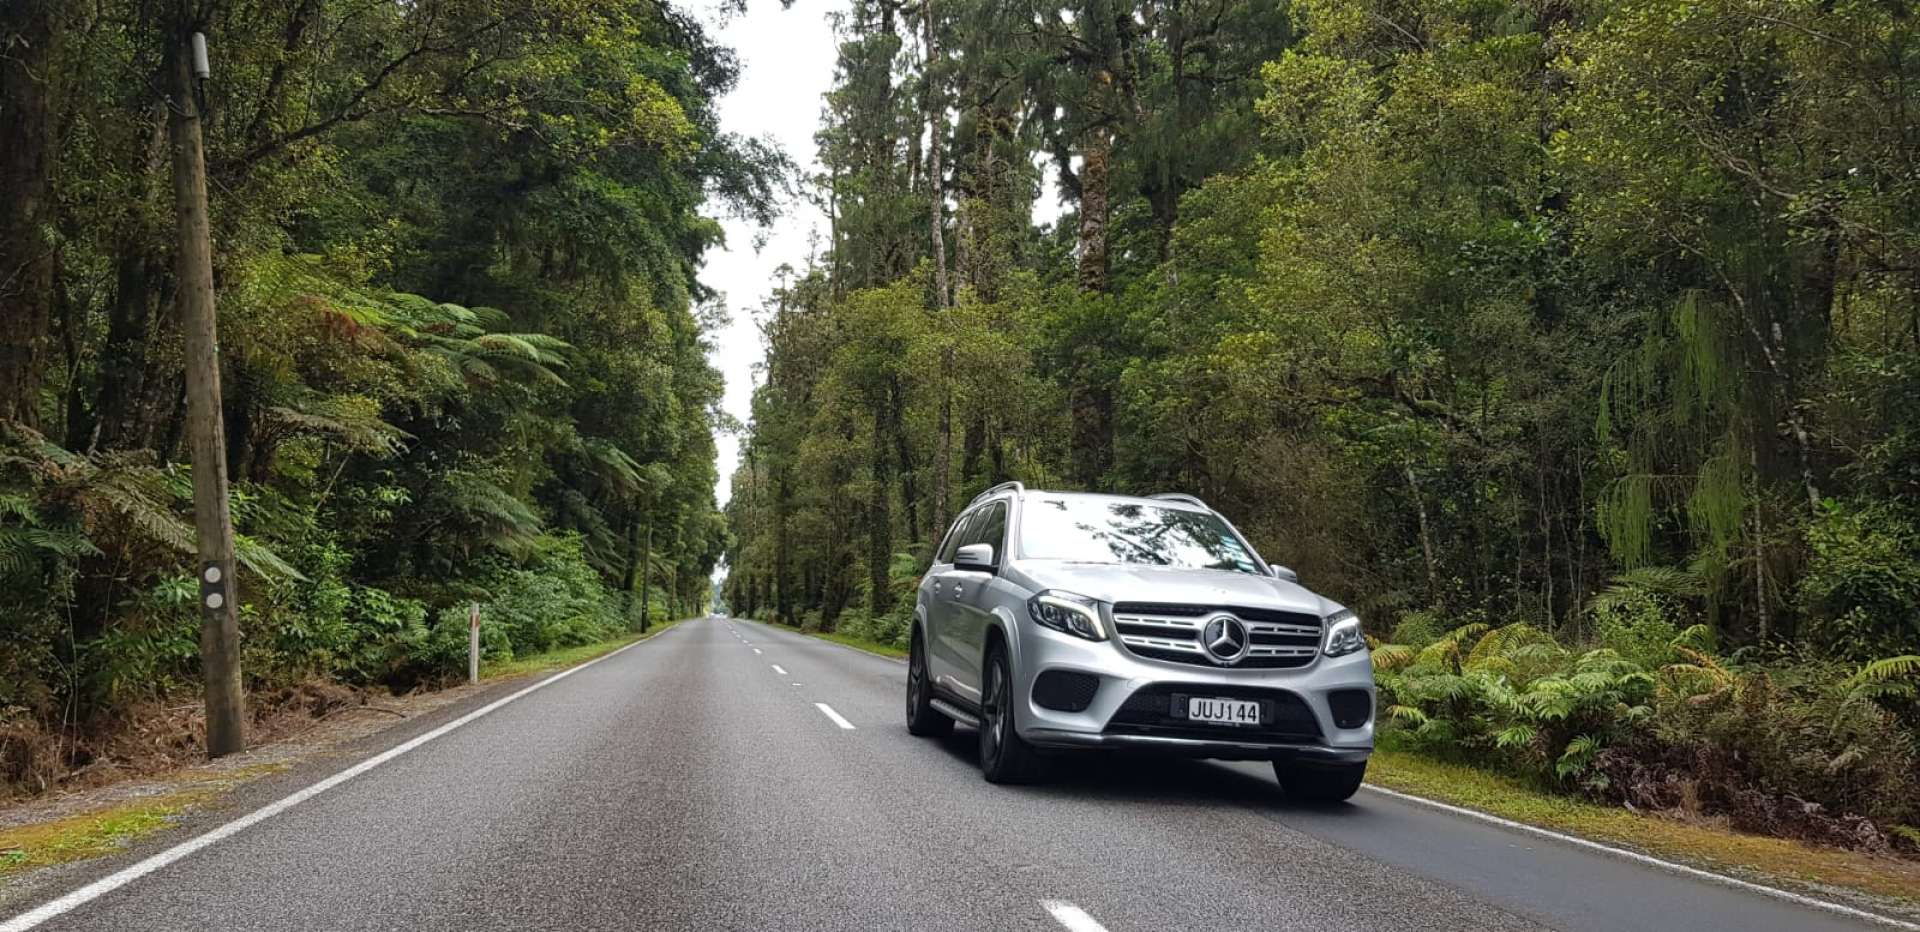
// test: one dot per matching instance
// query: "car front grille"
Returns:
(1160, 709)
(1171, 632)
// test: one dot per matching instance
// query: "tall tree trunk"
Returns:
(26, 206)
(1095, 152)
(973, 443)
(1426, 535)
(782, 558)
(880, 519)
(125, 402)
(1089, 396)
(646, 576)
(936, 107)
(1090, 400)
(943, 456)
(903, 451)
(632, 574)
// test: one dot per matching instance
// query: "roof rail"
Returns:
(1017, 488)
(1180, 497)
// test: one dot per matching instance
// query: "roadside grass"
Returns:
(567, 656)
(91, 834)
(108, 829)
(871, 647)
(1702, 843)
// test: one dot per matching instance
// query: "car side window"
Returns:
(955, 537)
(991, 529)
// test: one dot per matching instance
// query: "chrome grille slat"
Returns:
(1134, 640)
(1170, 632)
(1263, 651)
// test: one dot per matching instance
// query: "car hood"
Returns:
(1129, 583)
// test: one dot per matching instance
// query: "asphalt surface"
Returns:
(686, 783)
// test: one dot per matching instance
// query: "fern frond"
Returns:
(1515, 736)
(1407, 714)
(1392, 656)
(1885, 669)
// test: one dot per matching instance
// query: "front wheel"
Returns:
(1005, 757)
(1320, 783)
(922, 718)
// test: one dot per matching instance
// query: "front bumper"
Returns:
(1218, 749)
(1122, 674)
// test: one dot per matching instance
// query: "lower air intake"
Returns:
(1351, 707)
(1065, 690)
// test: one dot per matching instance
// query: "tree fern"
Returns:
(1392, 656)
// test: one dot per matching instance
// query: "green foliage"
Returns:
(462, 352)
(1513, 694)
(1862, 584)
(1755, 743)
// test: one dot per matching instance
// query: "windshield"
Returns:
(1081, 529)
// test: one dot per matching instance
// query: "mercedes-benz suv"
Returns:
(1056, 620)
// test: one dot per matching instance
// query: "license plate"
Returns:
(1223, 711)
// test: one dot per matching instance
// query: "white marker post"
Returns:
(473, 643)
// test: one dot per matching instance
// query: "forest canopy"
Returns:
(1574, 343)
(463, 344)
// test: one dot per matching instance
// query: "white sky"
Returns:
(786, 59)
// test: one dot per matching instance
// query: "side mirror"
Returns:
(1283, 572)
(974, 557)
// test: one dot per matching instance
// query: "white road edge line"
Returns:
(114, 881)
(1694, 872)
(823, 707)
(779, 669)
(1071, 916)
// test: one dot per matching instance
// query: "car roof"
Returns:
(1173, 503)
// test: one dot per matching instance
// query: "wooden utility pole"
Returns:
(212, 522)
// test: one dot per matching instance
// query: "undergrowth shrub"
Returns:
(890, 629)
(1647, 714)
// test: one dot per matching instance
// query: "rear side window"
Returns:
(955, 537)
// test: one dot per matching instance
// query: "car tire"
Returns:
(1320, 783)
(1005, 757)
(922, 718)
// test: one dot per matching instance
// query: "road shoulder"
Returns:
(58, 842)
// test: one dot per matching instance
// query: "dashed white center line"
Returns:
(756, 650)
(1071, 916)
(779, 669)
(843, 723)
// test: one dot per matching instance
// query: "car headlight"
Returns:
(1343, 634)
(1063, 611)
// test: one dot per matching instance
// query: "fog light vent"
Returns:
(1065, 690)
(1351, 707)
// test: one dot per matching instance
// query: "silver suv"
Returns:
(1068, 620)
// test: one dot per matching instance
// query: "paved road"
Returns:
(692, 782)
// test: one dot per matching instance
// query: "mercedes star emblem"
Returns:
(1225, 639)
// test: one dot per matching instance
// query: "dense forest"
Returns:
(462, 342)
(1574, 343)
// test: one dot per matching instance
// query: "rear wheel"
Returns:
(1005, 757)
(922, 718)
(1320, 783)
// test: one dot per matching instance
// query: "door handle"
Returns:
(956, 590)
(936, 585)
